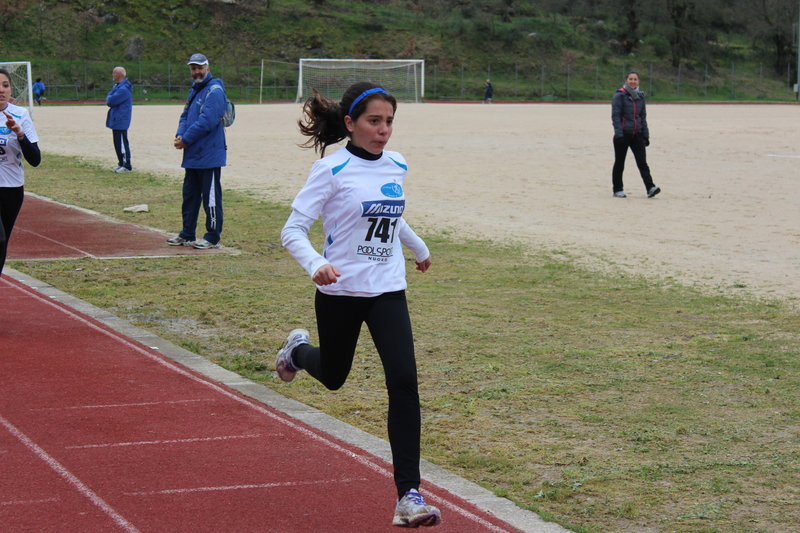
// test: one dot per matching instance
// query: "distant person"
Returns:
(201, 136)
(120, 109)
(488, 92)
(629, 117)
(18, 140)
(361, 274)
(38, 90)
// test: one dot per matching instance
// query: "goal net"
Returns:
(403, 78)
(21, 84)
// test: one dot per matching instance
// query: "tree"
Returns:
(11, 11)
(685, 29)
(772, 22)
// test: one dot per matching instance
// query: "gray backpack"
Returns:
(230, 110)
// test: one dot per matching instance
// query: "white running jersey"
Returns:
(11, 173)
(362, 204)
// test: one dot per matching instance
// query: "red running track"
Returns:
(100, 433)
(49, 230)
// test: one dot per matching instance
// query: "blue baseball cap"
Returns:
(198, 59)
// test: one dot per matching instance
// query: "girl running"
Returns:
(360, 275)
(18, 139)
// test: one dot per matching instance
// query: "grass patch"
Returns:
(605, 403)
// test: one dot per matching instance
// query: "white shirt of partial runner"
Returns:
(11, 172)
(361, 203)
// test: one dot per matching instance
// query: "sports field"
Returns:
(602, 402)
(540, 175)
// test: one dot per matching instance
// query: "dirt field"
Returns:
(728, 217)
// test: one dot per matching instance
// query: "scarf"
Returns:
(634, 93)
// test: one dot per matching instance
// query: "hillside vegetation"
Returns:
(561, 49)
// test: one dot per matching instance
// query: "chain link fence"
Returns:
(556, 81)
(170, 82)
(579, 82)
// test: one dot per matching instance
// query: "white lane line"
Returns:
(112, 405)
(87, 254)
(149, 442)
(66, 474)
(30, 502)
(245, 487)
(778, 155)
(365, 461)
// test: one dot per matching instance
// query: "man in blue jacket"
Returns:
(201, 136)
(38, 90)
(120, 107)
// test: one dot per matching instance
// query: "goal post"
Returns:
(403, 78)
(21, 83)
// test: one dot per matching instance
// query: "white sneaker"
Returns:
(283, 364)
(179, 241)
(122, 170)
(202, 244)
(412, 511)
(116, 169)
(620, 194)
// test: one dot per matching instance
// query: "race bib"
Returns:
(374, 236)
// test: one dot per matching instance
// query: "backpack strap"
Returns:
(211, 88)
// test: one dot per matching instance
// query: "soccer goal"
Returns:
(21, 83)
(403, 78)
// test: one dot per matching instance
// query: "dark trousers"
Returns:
(11, 199)
(122, 148)
(636, 143)
(339, 320)
(201, 186)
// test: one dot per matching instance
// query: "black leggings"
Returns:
(10, 203)
(339, 320)
(636, 143)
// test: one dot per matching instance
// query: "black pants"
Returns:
(339, 320)
(636, 143)
(122, 148)
(11, 199)
(202, 186)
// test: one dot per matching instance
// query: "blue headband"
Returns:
(364, 95)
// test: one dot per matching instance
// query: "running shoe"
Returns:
(179, 241)
(122, 170)
(412, 511)
(202, 244)
(283, 364)
(620, 194)
(653, 191)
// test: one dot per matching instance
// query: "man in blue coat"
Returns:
(201, 136)
(120, 107)
(38, 90)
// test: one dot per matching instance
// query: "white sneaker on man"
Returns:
(202, 244)
(179, 241)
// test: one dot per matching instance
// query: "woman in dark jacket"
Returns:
(629, 117)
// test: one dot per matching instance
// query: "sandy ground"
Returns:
(728, 217)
